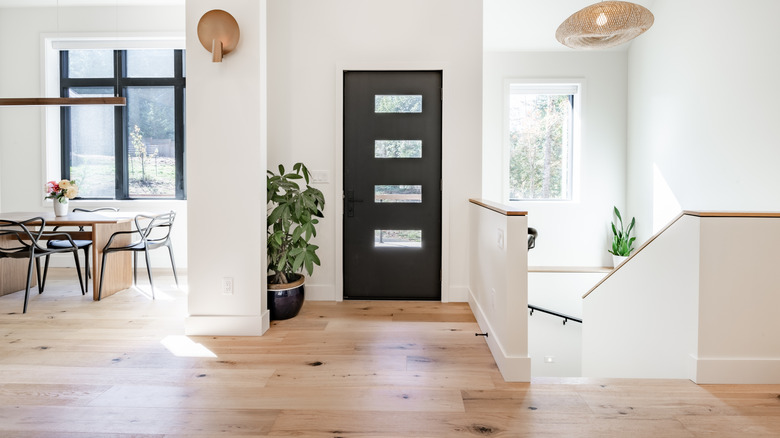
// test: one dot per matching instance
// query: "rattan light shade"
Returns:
(605, 24)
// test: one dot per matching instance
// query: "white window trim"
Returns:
(579, 103)
(51, 46)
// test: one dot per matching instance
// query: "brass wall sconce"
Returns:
(218, 33)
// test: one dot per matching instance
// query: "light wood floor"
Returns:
(72, 367)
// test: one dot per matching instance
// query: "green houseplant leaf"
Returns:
(292, 210)
(622, 243)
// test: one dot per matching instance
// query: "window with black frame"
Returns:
(542, 135)
(124, 152)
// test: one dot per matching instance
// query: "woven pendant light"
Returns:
(605, 24)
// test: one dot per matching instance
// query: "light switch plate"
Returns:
(320, 176)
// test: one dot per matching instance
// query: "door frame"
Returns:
(338, 177)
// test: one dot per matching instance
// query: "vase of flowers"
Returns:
(60, 192)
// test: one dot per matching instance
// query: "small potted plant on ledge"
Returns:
(292, 219)
(622, 242)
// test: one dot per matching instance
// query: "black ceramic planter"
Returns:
(286, 300)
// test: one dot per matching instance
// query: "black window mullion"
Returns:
(120, 144)
(178, 57)
(65, 146)
(87, 82)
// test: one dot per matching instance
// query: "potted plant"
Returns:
(622, 242)
(291, 221)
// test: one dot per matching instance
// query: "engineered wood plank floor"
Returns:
(122, 368)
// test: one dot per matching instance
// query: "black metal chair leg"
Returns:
(173, 265)
(78, 271)
(38, 273)
(102, 272)
(135, 267)
(29, 280)
(87, 272)
(42, 284)
(86, 262)
(149, 271)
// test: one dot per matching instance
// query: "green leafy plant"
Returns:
(621, 240)
(292, 220)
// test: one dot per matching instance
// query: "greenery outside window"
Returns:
(131, 152)
(541, 141)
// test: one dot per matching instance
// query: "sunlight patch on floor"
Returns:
(182, 346)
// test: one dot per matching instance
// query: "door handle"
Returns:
(351, 203)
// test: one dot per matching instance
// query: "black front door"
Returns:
(392, 185)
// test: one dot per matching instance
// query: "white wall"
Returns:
(703, 109)
(739, 298)
(22, 152)
(642, 322)
(570, 233)
(226, 112)
(498, 285)
(549, 338)
(312, 42)
(547, 335)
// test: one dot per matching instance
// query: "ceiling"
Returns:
(530, 25)
(509, 25)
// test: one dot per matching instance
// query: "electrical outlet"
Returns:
(492, 299)
(500, 238)
(227, 286)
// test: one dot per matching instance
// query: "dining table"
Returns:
(98, 227)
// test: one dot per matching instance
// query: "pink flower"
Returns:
(52, 187)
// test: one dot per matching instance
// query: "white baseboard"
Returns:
(327, 292)
(320, 292)
(227, 325)
(459, 294)
(738, 371)
(513, 368)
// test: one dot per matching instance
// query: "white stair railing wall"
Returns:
(699, 302)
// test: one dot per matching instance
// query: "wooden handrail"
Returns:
(720, 214)
(571, 269)
(498, 208)
(770, 214)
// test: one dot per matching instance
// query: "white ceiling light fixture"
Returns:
(603, 25)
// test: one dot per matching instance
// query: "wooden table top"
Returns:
(77, 218)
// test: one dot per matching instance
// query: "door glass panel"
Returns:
(151, 142)
(397, 148)
(91, 64)
(397, 103)
(398, 194)
(92, 162)
(398, 238)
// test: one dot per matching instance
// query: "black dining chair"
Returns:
(532, 235)
(151, 232)
(21, 242)
(82, 244)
